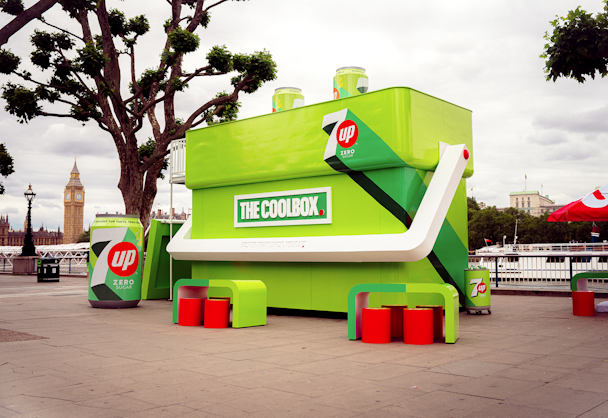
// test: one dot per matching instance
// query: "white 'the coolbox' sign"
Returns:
(289, 207)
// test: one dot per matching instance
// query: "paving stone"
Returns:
(264, 399)
(562, 361)
(495, 387)
(378, 371)
(425, 381)
(444, 404)
(470, 368)
(503, 410)
(390, 411)
(600, 411)
(364, 400)
(29, 403)
(535, 375)
(560, 399)
(584, 380)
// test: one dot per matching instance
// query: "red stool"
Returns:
(217, 313)
(437, 319)
(396, 319)
(418, 326)
(376, 326)
(190, 311)
(583, 303)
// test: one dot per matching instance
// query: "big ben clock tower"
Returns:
(73, 203)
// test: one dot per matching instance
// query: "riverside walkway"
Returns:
(61, 358)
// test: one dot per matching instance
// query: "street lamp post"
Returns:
(28, 244)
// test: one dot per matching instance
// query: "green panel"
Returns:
(288, 145)
(457, 215)
(355, 211)
(288, 284)
(402, 184)
(155, 281)
(331, 283)
(322, 286)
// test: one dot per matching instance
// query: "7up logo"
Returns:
(478, 287)
(123, 259)
(348, 132)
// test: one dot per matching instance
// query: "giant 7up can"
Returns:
(350, 81)
(115, 261)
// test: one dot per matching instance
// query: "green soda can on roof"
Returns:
(115, 261)
(350, 81)
(286, 98)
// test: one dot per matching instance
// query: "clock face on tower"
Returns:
(68, 196)
(79, 196)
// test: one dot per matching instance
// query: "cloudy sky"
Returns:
(482, 55)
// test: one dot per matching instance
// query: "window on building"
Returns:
(516, 204)
(528, 204)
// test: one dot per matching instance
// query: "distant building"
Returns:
(10, 237)
(532, 202)
(73, 207)
(159, 215)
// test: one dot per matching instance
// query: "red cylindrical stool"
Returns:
(396, 319)
(217, 313)
(418, 326)
(376, 325)
(437, 319)
(190, 312)
(583, 303)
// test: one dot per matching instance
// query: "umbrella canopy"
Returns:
(591, 207)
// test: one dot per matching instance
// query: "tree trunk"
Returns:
(139, 189)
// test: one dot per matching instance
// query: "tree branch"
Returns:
(215, 4)
(57, 115)
(43, 20)
(24, 18)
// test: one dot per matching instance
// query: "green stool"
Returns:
(358, 298)
(582, 277)
(249, 298)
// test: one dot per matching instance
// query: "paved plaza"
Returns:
(61, 358)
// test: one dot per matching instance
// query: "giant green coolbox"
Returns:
(377, 174)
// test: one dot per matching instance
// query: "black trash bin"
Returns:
(48, 269)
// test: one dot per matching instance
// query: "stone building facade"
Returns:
(532, 202)
(10, 237)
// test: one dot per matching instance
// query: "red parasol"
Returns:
(591, 207)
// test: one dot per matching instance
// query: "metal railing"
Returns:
(177, 161)
(72, 258)
(543, 270)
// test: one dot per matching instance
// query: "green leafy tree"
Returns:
(492, 224)
(472, 207)
(85, 73)
(6, 165)
(578, 45)
(84, 237)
